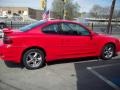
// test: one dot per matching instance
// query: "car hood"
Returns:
(105, 35)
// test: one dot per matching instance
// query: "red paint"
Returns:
(56, 46)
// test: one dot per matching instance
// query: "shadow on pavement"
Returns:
(73, 60)
(13, 65)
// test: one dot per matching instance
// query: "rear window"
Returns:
(30, 26)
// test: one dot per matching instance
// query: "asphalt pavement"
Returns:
(80, 74)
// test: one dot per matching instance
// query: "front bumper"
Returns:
(118, 47)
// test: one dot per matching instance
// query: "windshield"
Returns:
(30, 26)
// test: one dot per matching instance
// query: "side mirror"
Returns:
(92, 35)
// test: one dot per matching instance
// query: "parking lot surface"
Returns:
(93, 74)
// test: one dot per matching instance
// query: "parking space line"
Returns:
(103, 78)
(102, 66)
(10, 86)
(87, 61)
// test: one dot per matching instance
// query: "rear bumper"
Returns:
(1, 50)
(10, 53)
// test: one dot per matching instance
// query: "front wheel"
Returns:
(108, 52)
(33, 59)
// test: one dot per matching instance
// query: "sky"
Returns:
(85, 5)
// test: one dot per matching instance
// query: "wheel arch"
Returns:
(33, 47)
(107, 44)
(111, 43)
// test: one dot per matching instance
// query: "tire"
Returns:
(108, 52)
(33, 59)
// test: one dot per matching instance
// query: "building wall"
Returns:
(32, 13)
(39, 14)
(13, 10)
(22, 11)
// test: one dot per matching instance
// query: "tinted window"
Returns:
(66, 29)
(73, 29)
(79, 29)
(30, 26)
(54, 28)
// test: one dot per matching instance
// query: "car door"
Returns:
(52, 41)
(76, 41)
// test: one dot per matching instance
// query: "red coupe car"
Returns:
(48, 40)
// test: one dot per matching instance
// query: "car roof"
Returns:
(60, 20)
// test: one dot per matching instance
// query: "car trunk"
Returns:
(7, 33)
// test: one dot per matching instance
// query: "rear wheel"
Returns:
(33, 59)
(108, 52)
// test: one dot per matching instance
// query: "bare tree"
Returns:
(72, 9)
(102, 12)
(95, 11)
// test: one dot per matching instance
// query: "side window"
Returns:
(73, 29)
(79, 29)
(67, 29)
(52, 29)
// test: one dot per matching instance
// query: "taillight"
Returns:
(7, 40)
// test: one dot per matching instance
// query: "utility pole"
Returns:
(110, 17)
(43, 4)
(64, 9)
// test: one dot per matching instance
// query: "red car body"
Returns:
(55, 46)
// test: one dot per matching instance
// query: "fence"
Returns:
(102, 27)
(97, 27)
(16, 24)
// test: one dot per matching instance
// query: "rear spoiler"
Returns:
(7, 31)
